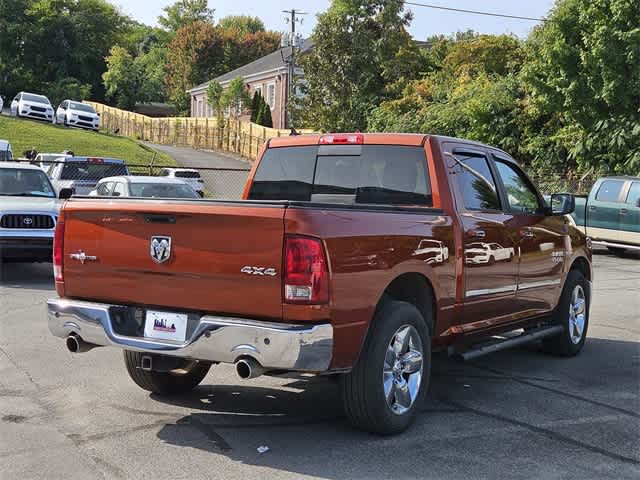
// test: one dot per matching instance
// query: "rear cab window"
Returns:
(91, 171)
(346, 174)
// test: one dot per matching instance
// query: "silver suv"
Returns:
(81, 174)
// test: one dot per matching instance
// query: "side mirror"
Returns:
(562, 204)
(638, 202)
(65, 193)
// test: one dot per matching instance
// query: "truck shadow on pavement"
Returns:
(31, 276)
(519, 394)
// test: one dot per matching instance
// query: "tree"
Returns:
(151, 67)
(185, 12)
(356, 44)
(256, 102)
(214, 98)
(122, 78)
(235, 97)
(243, 24)
(582, 77)
(69, 87)
(265, 118)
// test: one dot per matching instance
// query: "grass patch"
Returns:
(48, 138)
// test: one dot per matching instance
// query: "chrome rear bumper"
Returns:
(276, 346)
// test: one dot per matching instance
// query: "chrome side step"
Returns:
(604, 243)
(510, 342)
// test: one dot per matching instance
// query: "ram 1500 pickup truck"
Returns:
(351, 254)
(610, 215)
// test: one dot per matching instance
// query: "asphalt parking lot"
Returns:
(516, 414)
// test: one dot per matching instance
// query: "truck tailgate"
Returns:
(211, 243)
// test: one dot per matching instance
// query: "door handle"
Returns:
(477, 233)
(592, 208)
(528, 233)
(623, 211)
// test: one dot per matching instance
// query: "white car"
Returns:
(28, 213)
(6, 154)
(1, 104)
(143, 187)
(189, 175)
(480, 252)
(81, 174)
(30, 105)
(77, 114)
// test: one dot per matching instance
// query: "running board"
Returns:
(603, 243)
(512, 342)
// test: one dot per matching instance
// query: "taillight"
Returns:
(342, 139)
(306, 273)
(58, 252)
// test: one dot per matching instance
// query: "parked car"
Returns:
(48, 160)
(1, 104)
(610, 215)
(6, 154)
(189, 175)
(144, 187)
(77, 114)
(81, 174)
(31, 105)
(315, 271)
(480, 252)
(28, 213)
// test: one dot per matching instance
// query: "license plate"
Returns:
(166, 326)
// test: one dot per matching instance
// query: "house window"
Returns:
(200, 108)
(258, 89)
(271, 95)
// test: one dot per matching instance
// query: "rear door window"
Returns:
(476, 182)
(634, 194)
(609, 191)
(367, 174)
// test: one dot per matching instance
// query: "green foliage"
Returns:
(359, 47)
(68, 88)
(583, 75)
(185, 12)
(256, 102)
(122, 78)
(263, 115)
(244, 24)
(235, 97)
(43, 42)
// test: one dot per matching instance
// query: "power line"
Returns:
(475, 12)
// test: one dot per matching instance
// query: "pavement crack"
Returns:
(542, 431)
(559, 392)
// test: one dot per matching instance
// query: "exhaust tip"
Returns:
(73, 344)
(247, 368)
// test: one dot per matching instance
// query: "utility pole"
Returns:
(295, 16)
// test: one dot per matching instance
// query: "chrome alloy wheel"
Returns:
(402, 371)
(577, 312)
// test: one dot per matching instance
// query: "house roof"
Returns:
(272, 61)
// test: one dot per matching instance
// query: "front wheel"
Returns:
(387, 386)
(572, 313)
(185, 377)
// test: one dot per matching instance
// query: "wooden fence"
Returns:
(240, 137)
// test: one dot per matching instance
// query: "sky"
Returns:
(426, 21)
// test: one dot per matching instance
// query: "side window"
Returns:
(119, 190)
(609, 191)
(104, 189)
(476, 182)
(521, 195)
(634, 194)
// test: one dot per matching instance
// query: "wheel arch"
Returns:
(411, 287)
(582, 265)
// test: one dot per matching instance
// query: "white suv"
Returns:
(76, 114)
(187, 175)
(33, 106)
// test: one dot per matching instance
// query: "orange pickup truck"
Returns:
(353, 255)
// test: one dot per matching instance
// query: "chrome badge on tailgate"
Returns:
(160, 249)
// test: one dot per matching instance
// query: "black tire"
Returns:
(617, 250)
(362, 388)
(492, 260)
(563, 344)
(165, 383)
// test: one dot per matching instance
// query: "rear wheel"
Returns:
(572, 313)
(185, 377)
(385, 388)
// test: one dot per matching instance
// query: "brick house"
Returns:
(268, 74)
